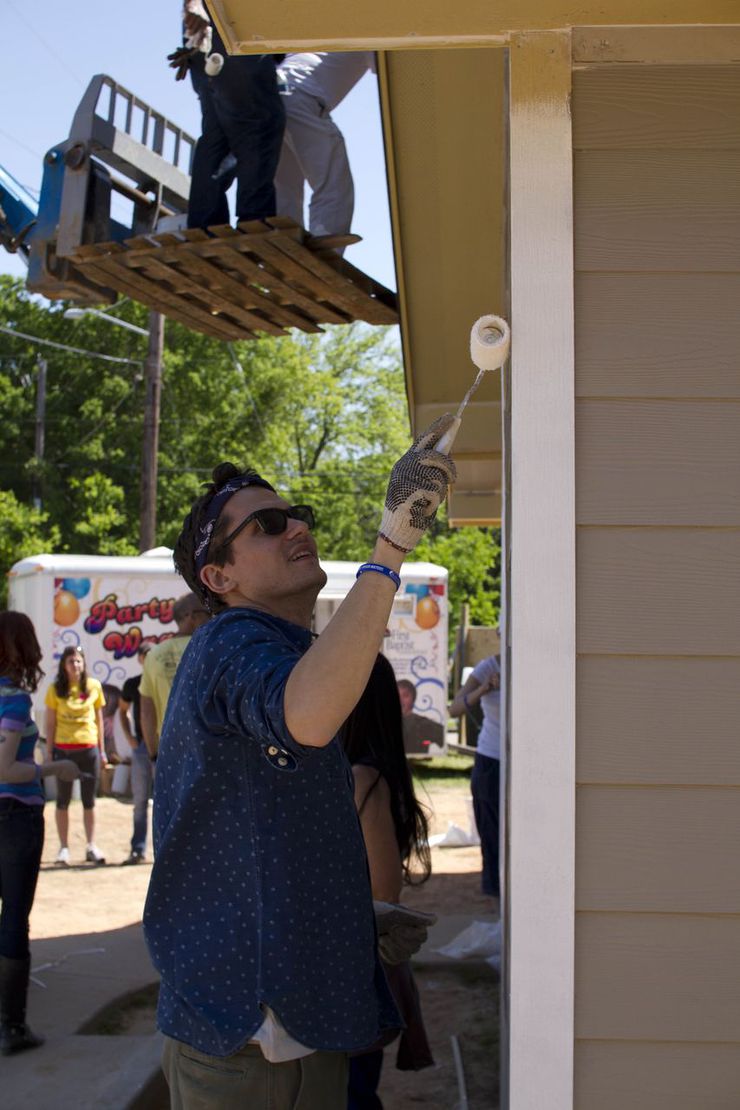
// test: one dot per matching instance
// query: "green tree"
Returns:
(100, 521)
(23, 531)
(473, 557)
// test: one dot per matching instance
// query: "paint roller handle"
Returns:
(490, 340)
(444, 445)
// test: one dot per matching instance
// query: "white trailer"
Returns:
(109, 605)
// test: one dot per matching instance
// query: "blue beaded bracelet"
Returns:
(380, 569)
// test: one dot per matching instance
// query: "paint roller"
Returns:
(490, 340)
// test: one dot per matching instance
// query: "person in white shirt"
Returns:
(483, 686)
(313, 146)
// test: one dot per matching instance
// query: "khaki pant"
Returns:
(246, 1079)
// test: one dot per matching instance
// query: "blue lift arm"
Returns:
(18, 215)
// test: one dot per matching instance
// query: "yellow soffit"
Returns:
(257, 26)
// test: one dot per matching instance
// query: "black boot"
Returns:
(15, 1036)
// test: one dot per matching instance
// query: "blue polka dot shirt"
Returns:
(260, 890)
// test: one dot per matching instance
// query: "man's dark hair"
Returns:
(184, 606)
(184, 554)
(404, 682)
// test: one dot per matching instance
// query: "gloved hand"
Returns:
(180, 61)
(198, 30)
(401, 931)
(401, 943)
(417, 487)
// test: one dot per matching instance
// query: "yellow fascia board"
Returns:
(258, 26)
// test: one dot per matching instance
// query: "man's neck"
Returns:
(297, 610)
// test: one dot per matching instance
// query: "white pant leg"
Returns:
(289, 185)
(319, 149)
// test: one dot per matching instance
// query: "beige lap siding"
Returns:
(657, 250)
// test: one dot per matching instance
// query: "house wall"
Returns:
(657, 309)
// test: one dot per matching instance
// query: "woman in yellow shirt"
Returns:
(74, 730)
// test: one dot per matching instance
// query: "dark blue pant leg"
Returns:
(207, 204)
(484, 785)
(242, 114)
(251, 115)
(21, 843)
(364, 1077)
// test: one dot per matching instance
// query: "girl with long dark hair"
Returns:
(74, 728)
(394, 826)
(21, 821)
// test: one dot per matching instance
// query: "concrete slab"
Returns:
(73, 979)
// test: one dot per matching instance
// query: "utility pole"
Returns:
(40, 426)
(150, 444)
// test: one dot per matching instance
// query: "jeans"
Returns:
(21, 842)
(364, 1077)
(142, 776)
(242, 114)
(484, 784)
(315, 1082)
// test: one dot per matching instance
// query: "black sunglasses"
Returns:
(274, 521)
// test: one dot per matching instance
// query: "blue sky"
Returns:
(51, 50)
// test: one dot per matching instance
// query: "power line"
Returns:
(65, 347)
(50, 49)
(23, 146)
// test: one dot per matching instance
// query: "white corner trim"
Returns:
(541, 743)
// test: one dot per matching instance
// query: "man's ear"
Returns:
(217, 579)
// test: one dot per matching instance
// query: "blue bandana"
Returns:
(213, 511)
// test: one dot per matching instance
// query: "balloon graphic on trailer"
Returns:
(80, 587)
(66, 608)
(427, 612)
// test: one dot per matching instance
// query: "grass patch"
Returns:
(120, 1016)
(446, 771)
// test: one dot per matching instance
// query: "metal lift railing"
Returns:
(117, 143)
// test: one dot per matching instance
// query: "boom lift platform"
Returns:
(227, 282)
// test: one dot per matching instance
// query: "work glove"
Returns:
(180, 61)
(400, 945)
(197, 25)
(401, 931)
(417, 487)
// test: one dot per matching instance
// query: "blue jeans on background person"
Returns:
(21, 843)
(364, 1077)
(242, 114)
(484, 786)
(142, 776)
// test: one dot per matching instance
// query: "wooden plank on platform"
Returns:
(177, 256)
(282, 246)
(378, 293)
(251, 289)
(366, 307)
(100, 261)
(267, 276)
(282, 270)
(150, 264)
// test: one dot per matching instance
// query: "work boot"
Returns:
(15, 1036)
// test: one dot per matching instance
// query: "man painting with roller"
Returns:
(259, 915)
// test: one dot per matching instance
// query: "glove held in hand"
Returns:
(417, 487)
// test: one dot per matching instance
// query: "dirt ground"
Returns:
(460, 999)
